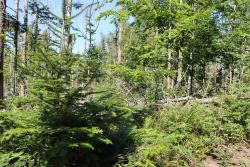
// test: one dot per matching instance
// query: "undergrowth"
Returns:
(186, 135)
(116, 135)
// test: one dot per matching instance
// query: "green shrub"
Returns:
(59, 125)
(64, 136)
(186, 135)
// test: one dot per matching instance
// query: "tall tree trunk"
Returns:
(36, 20)
(190, 80)
(64, 4)
(25, 48)
(231, 75)
(66, 39)
(116, 43)
(86, 32)
(225, 81)
(2, 26)
(68, 26)
(119, 38)
(218, 78)
(180, 64)
(180, 68)
(119, 42)
(203, 82)
(191, 68)
(90, 26)
(169, 78)
(16, 48)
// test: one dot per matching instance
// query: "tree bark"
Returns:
(90, 24)
(86, 32)
(119, 42)
(231, 75)
(180, 68)
(64, 3)
(24, 55)
(190, 81)
(68, 26)
(218, 78)
(119, 38)
(116, 44)
(191, 68)
(119, 48)
(16, 48)
(203, 81)
(180, 65)
(2, 26)
(36, 20)
(169, 78)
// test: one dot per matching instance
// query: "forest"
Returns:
(168, 86)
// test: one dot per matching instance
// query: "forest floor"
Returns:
(238, 156)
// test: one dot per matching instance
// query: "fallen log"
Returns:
(190, 99)
(185, 100)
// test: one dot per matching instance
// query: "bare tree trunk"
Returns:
(180, 65)
(231, 73)
(24, 55)
(35, 29)
(119, 38)
(16, 48)
(203, 82)
(190, 81)
(180, 68)
(116, 43)
(191, 69)
(169, 78)
(242, 69)
(119, 43)
(90, 28)
(225, 80)
(46, 38)
(66, 39)
(90, 24)
(86, 32)
(113, 49)
(68, 25)
(64, 3)
(218, 78)
(2, 26)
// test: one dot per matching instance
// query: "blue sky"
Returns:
(55, 6)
